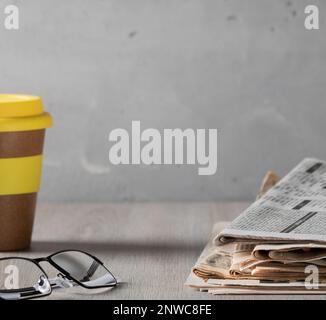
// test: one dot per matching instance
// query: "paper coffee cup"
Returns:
(22, 130)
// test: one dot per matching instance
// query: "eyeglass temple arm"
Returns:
(57, 282)
(17, 294)
(91, 271)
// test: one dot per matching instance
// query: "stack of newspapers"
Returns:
(277, 245)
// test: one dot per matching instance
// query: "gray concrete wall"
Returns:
(246, 67)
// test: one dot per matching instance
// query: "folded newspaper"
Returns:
(277, 245)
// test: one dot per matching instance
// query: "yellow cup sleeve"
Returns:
(20, 175)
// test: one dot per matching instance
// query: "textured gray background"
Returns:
(248, 68)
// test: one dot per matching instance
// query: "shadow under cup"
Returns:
(22, 132)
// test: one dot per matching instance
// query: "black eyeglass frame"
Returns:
(65, 273)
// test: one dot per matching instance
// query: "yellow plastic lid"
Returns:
(18, 105)
(22, 113)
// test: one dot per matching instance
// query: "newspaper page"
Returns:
(211, 274)
(293, 210)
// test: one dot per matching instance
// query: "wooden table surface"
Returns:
(150, 246)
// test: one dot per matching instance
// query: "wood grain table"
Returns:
(150, 246)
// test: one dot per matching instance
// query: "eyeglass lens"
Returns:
(84, 269)
(21, 278)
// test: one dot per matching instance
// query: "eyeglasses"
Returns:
(24, 278)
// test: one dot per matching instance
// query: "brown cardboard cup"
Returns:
(22, 130)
